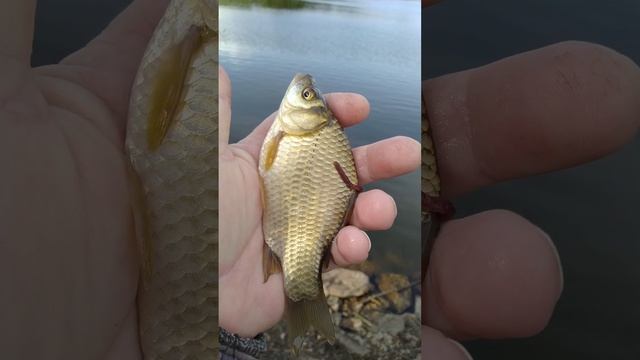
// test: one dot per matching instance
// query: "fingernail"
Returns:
(558, 261)
(369, 239)
(395, 207)
(462, 349)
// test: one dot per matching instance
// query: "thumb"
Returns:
(224, 109)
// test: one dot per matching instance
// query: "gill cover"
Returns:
(303, 109)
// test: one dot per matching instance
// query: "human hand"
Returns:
(247, 305)
(494, 274)
(68, 264)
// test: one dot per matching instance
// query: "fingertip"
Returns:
(414, 151)
(554, 250)
(435, 345)
(351, 246)
(374, 210)
(534, 112)
(387, 158)
(349, 108)
(510, 283)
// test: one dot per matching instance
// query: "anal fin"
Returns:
(270, 262)
(303, 314)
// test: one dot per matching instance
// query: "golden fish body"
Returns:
(430, 192)
(172, 138)
(430, 178)
(306, 201)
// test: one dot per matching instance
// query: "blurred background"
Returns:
(590, 211)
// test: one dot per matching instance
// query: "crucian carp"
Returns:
(172, 142)
(308, 190)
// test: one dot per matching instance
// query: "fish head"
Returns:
(303, 109)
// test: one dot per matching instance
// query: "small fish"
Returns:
(172, 140)
(308, 189)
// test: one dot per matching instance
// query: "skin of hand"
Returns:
(535, 112)
(68, 258)
(247, 305)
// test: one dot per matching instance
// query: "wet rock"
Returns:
(391, 323)
(334, 303)
(336, 317)
(383, 342)
(367, 324)
(378, 303)
(352, 305)
(354, 344)
(390, 284)
(352, 323)
(372, 315)
(345, 283)
(412, 324)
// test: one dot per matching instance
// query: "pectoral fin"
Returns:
(272, 150)
(270, 263)
(303, 314)
(166, 94)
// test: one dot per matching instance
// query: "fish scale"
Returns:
(177, 301)
(300, 226)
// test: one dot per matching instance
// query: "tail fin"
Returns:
(305, 313)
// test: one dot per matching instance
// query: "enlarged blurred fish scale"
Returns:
(177, 299)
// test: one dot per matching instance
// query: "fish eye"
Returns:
(308, 94)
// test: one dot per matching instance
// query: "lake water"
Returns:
(368, 47)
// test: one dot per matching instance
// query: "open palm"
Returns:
(247, 305)
(68, 263)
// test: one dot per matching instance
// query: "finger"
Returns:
(349, 109)
(374, 210)
(492, 275)
(386, 159)
(16, 29)
(535, 112)
(350, 247)
(224, 109)
(111, 60)
(437, 346)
